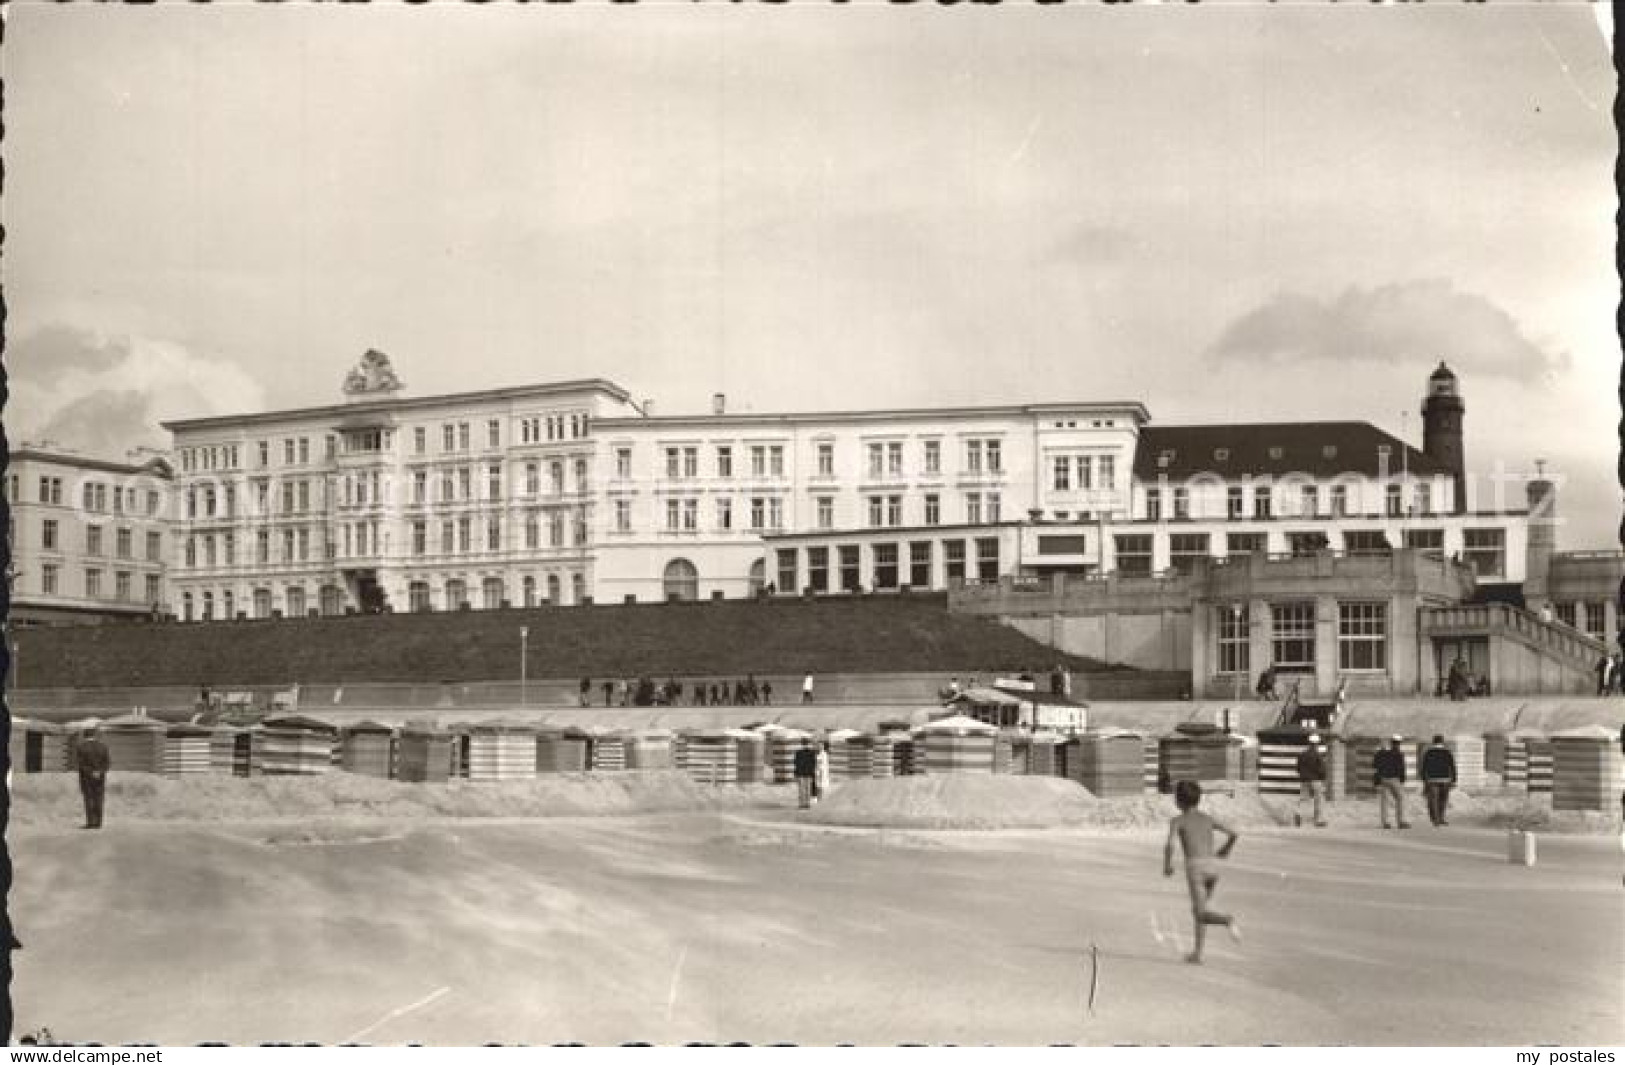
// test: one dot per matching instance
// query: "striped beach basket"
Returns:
(186, 749)
(368, 749)
(1586, 770)
(958, 745)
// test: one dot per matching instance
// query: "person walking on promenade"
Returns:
(1438, 777)
(609, 692)
(94, 762)
(821, 777)
(767, 693)
(805, 767)
(586, 691)
(1312, 782)
(1605, 674)
(807, 688)
(1389, 770)
(1616, 675)
(1194, 830)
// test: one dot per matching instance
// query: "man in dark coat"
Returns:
(1389, 770)
(1312, 782)
(1605, 674)
(805, 765)
(94, 762)
(1438, 777)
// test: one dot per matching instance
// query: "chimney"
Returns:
(719, 403)
(648, 408)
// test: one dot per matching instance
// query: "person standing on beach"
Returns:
(1388, 767)
(821, 775)
(94, 762)
(1438, 777)
(806, 688)
(1312, 782)
(1194, 830)
(805, 767)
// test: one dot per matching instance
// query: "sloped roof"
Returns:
(1317, 449)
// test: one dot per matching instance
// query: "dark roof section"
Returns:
(1316, 449)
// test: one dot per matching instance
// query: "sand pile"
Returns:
(53, 798)
(960, 800)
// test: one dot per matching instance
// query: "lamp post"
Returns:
(524, 638)
(1236, 611)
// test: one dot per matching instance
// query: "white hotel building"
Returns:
(562, 492)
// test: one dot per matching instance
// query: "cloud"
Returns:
(1397, 324)
(103, 395)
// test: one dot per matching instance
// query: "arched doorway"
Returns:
(681, 580)
(552, 589)
(758, 577)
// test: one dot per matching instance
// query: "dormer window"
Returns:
(1221, 454)
(1329, 451)
(1276, 453)
(1165, 459)
(1384, 450)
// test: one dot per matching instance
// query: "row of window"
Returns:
(1482, 549)
(123, 590)
(95, 541)
(982, 455)
(95, 496)
(331, 600)
(1308, 499)
(1362, 636)
(766, 513)
(1589, 616)
(1083, 473)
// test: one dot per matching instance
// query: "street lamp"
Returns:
(1236, 611)
(524, 638)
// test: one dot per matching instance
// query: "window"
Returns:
(1063, 474)
(992, 507)
(420, 486)
(623, 462)
(826, 512)
(1566, 612)
(1596, 625)
(493, 433)
(465, 534)
(1244, 543)
(1108, 472)
(826, 460)
(758, 460)
(1261, 501)
(818, 569)
(262, 546)
(493, 481)
(420, 537)
(304, 452)
(674, 463)
(894, 510)
(1424, 498)
(48, 534)
(462, 436)
(93, 583)
(529, 586)
(420, 440)
(758, 513)
(681, 580)
(1182, 504)
(287, 452)
(973, 508)
(775, 460)
(1340, 501)
(758, 577)
(1309, 500)
(725, 461)
(1362, 636)
(532, 532)
(994, 463)
(673, 515)
(1305, 544)
(1292, 634)
(787, 570)
(155, 547)
(493, 533)
(417, 597)
(154, 594)
(885, 573)
(492, 593)
(208, 606)
(152, 503)
(456, 594)
(877, 460)
(933, 457)
(265, 453)
(623, 516)
(93, 539)
(448, 537)
(448, 489)
(1233, 626)
(48, 578)
(987, 558)
(304, 544)
(1395, 500)
(1485, 551)
(775, 513)
(851, 576)
(1425, 539)
(973, 456)
(953, 558)
(1133, 554)
(1233, 503)
(1186, 550)
(553, 594)
(725, 513)
(555, 477)
(919, 564)
(876, 511)
(894, 459)
(465, 483)
(1153, 504)
(262, 603)
(691, 462)
(933, 509)
(1366, 542)
(330, 600)
(691, 518)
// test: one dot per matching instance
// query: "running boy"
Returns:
(1194, 830)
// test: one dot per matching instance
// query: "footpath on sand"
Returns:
(973, 802)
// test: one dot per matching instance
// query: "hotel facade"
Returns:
(569, 492)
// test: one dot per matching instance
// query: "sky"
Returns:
(1228, 212)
